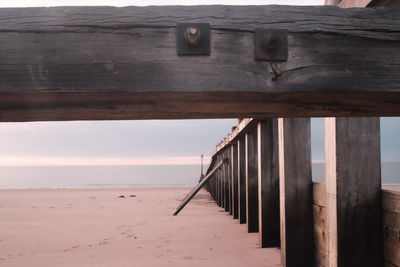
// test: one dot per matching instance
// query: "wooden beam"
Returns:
(296, 196)
(80, 63)
(353, 179)
(268, 183)
(251, 182)
(235, 181)
(241, 144)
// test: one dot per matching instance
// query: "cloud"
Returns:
(82, 161)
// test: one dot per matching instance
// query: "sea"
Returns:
(24, 177)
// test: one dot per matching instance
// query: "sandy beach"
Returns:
(94, 227)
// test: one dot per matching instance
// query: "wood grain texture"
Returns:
(235, 181)
(391, 228)
(320, 233)
(76, 63)
(353, 177)
(268, 183)
(242, 179)
(296, 192)
(251, 182)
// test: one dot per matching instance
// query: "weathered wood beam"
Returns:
(268, 183)
(354, 203)
(296, 195)
(78, 63)
(242, 179)
(251, 182)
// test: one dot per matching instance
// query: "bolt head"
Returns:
(192, 35)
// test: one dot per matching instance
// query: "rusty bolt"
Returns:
(192, 35)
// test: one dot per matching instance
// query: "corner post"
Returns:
(353, 179)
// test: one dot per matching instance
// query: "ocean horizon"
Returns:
(35, 177)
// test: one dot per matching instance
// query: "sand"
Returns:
(93, 227)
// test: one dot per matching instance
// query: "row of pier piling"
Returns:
(266, 183)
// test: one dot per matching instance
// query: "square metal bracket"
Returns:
(193, 39)
(271, 45)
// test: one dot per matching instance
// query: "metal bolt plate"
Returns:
(201, 45)
(271, 45)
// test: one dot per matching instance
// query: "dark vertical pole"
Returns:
(296, 199)
(228, 183)
(354, 204)
(223, 192)
(235, 186)
(242, 179)
(251, 181)
(268, 183)
(218, 173)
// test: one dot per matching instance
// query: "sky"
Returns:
(140, 142)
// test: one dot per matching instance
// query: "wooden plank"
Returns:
(319, 213)
(296, 196)
(251, 181)
(268, 183)
(353, 179)
(391, 227)
(319, 194)
(242, 179)
(121, 63)
(320, 239)
(320, 259)
(235, 182)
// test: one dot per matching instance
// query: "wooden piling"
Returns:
(353, 179)
(235, 185)
(242, 179)
(268, 183)
(297, 244)
(251, 181)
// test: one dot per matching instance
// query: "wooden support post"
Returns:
(268, 183)
(223, 185)
(242, 179)
(353, 179)
(218, 184)
(235, 186)
(251, 182)
(229, 181)
(296, 210)
(226, 182)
